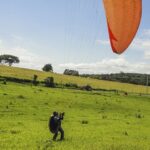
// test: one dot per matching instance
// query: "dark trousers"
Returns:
(61, 132)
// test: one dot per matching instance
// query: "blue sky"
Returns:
(69, 34)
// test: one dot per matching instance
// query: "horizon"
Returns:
(69, 35)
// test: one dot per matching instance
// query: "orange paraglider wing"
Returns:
(123, 19)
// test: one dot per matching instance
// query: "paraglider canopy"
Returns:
(123, 19)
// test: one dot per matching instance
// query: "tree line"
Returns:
(134, 78)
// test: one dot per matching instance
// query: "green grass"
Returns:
(62, 79)
(114, 122)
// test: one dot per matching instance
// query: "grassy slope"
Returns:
(28, 74)
(112, 122)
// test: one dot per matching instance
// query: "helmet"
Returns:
(55, 113)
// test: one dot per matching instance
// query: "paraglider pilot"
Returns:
(55, 125)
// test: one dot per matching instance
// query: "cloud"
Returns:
(147, 54)
(109, 66)
(142, 43)
(27, 58)
(146, 32)
(103, 42)
(30, 59)
(139, 44)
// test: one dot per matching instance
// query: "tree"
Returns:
(71, 72)
(48, 68)
(9, 59)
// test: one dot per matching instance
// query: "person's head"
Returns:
(55, 113)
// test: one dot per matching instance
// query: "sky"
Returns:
(69, 34)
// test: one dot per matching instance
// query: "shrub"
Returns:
(49, 82)
(87, 88)
(35, 82)
(71, 72)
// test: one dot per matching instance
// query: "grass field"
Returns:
(114, 121)
(62, 79)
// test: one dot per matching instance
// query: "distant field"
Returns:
(28, 74)
(114, 121)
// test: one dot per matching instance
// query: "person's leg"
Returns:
(62, 133)
(55, 136)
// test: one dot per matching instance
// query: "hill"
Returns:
(62, 79)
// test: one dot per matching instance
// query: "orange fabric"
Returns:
(123, 19)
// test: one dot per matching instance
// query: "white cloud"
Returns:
(106, 65)
(143, 44)
(109, 66)
(147, 54)
(146, 32)
(103, 42)
(27, 58)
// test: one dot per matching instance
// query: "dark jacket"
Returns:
(55, 123)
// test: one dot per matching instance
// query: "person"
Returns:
(55, 125)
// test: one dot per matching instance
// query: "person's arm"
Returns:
(61, 116)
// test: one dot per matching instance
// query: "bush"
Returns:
(71, 72)
(35, 82)
(49, 82)
(86, 88)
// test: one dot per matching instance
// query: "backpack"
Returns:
(53, 124)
